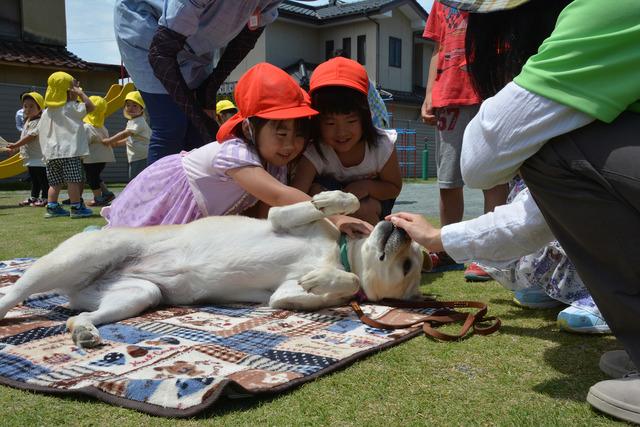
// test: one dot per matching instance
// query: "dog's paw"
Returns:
(329, 281)
(83, 333)
(335, 202)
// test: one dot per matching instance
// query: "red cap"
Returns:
(340, 71)
(268, 92)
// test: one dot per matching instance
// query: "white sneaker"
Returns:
(616, 363)
(619, 398)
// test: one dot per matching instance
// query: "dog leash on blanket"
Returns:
(445, 313)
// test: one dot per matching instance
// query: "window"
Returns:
(346, 47)
(328, 49)
(362, 49)
(395, 52)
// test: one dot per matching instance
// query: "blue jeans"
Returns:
(171, 130)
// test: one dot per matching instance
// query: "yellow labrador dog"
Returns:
(292, 260)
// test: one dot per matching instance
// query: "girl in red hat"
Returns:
(248, 163)
(349, 152)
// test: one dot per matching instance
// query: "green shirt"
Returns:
(591, 61)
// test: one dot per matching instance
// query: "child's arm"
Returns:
(386, 186)
(119, 138)
(259, 183)
(305, 173)
(22, 141)
(87, 102)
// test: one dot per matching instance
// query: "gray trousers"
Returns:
(587, 185)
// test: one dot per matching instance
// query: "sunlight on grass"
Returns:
(528, 374)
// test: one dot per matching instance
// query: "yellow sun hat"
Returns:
(36, 97)
(97, 116)
(57, 86)
(136, 97)
(224, 105)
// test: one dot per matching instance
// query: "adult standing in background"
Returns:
(169, 48)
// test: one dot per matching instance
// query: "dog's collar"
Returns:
(344, 257)
(360, 296)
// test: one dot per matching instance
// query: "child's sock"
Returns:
(76, 205)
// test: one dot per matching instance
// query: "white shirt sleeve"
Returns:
(509, 128)
(499, 237)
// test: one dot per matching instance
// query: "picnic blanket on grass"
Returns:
(177, 361)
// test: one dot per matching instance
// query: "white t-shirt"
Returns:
(374, 159)
(31, 153)
(61, 130)
(138, 142)
(98, 152)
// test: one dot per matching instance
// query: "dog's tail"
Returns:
(75, 263)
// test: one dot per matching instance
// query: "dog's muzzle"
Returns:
(393, 238)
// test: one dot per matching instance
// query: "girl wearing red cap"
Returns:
(248, 163)
(349, 152)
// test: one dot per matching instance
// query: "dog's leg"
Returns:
(320, 206)
(291, 296)
(75, 262)
(119, 300)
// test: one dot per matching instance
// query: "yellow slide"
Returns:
(11, 167)
(115, 97)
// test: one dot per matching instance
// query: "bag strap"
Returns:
(445, 313)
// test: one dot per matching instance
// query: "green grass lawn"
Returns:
(527, 374)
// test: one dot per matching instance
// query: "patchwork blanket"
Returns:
(177, 361)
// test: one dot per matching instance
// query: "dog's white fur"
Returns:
(291, 260)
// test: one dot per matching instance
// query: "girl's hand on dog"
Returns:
(419, 229)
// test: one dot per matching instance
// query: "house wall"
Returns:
(287, 42)
(353, 30)
(399, 26)
(258, 54)
(44, 21)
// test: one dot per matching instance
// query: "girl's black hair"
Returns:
(343, 100)
(499, 43)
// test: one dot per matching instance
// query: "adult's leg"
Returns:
(496, 196)
(169, 126)
(587, 185)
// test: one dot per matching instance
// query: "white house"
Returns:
(383, 35)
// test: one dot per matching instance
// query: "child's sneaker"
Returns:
(40, 203)
(441, 261)
(27, 202)
(474, 273)
(534, 298)
(573, 319)
(54, 210)
(81, 211)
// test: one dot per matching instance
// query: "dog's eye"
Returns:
(406, 266)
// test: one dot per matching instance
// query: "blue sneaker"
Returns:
(55, 210)
(573, 319)
(81, 212)
(534, 298)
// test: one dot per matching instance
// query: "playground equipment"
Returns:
(407, 152)
(11, 167)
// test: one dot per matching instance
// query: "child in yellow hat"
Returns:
(30, 152)
(100, 153)
(225, 109)
(64, 142)
(136, 134)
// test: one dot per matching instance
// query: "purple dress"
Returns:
(181, 188)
